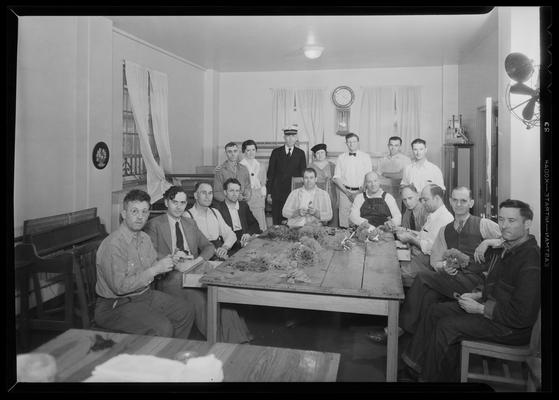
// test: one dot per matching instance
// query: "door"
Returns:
(485, 185)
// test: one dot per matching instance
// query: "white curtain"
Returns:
(159, 118)
(310, 105)
(137, 81)
(408, 111)
(282, 111)
(376, 123)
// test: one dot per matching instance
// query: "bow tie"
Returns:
(353, 154)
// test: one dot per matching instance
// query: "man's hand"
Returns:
(404, 237)
(312, 211)
(390, 225)
(449, 269)
(221, 252)
(187, 264)
(163, 265)
(472, 295)
(303, 211)
(479, 253)
(269, 198)
(469, 305)
(180, 256)
(350, 196)
(244, 239)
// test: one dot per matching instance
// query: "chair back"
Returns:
(85, 270)
(535, 339)
(297, 182)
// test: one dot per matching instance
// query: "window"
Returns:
(133, 167)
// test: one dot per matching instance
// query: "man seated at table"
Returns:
(176, 235)
(422, 243)
(210, 221)
(237, 214)
(415, 215)
(374, 207)
(126, 266)
(504, 311)
(232, 168)
(459, 240)
(309, 204)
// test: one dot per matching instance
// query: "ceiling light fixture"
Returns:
(313, 52)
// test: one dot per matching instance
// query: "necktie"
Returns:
(412, 221)
(353, 154)
(460, 226)
(289, 152)
(180, 240)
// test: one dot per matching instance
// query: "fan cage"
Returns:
(530, 123)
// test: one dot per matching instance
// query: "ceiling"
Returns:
(274, 43)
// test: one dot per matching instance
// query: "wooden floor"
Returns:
(361, 359)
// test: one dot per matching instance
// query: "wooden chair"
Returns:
(297, 182)
(502, 352)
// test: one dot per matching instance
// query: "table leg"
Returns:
(212, 314)
(23, 278)
(392, 342)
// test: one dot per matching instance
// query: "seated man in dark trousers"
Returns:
(374, 206)
(237, 214)
(503, 312)
(174, 235)
(126, 266)
(460, 238)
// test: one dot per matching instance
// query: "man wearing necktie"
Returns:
(455, 266)
(351, 168)
(502, 309)
(286, 162)
(415, 214)
(179, 237)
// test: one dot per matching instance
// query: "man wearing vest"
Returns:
(374, 206)
(504, 311)
(460, 239)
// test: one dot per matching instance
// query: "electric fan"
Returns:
(523, 97)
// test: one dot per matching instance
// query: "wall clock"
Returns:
(342, 97)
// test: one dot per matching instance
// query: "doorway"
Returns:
(486, 182)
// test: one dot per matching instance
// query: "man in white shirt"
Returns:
(349, 175)
(210, 221)
(422, 243)
(421, 172)
(307, 205)
(391, 167)
(374, 206)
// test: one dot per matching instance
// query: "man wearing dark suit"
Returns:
(178, 236)
(185, 240)
(237, 214)
(285, 163)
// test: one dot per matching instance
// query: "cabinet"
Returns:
(458, 162)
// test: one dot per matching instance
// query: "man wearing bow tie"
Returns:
(285, 163)
(351, 168)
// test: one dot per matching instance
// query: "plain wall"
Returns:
(478, 79)
(245, 101)
(519, 148)
(64, 107)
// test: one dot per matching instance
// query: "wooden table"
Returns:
(364, 280)
(241, 363)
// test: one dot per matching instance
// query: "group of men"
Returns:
(468, 278)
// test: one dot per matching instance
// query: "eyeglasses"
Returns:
(422, 199)
(136, 213)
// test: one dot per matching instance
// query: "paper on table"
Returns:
(148, 368)
(191, 278)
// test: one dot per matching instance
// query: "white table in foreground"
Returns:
(364, 280)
